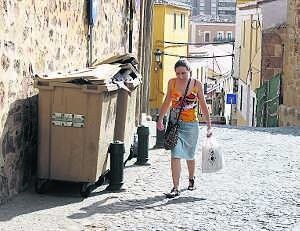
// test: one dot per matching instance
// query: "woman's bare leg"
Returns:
(176, 169)
(191, 168)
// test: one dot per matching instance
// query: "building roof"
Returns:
(175, 3)
(248, 5)
(212, 19)
(254, 4)
(239, 2)
(213, 23)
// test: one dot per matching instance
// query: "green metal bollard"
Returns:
(143, 144)
(116, 150)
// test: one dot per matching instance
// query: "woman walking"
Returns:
(188, 131)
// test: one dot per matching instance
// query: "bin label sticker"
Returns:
(78, 118)
(57, 116)
(68, 117)
(57, 123)
(67, 124)
(78, 125)
(67, 120)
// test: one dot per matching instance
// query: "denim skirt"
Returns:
(187, 143)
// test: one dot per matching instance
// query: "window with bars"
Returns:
(206, 37)
(174, 26)
(182, 21)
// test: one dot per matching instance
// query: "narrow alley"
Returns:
(80, 81)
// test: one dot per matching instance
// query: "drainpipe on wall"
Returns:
(92, 11)
(249, 85)
(232, 78)
(90, 46)
(281, 79)
(130, 26)
(261, 61)
(250, 49)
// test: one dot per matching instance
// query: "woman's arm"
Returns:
(203, 105)
(164, 107)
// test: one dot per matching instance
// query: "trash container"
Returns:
(76, 126)
(125, 127)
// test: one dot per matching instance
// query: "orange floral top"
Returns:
(190, 103)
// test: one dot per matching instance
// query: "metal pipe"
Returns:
(116, 150)
(143, 144)
(90, 45)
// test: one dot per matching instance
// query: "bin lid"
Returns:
(94, 75)
(119, 58)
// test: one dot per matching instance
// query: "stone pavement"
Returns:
(257, 190)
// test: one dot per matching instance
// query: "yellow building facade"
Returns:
(248, 45)
(170, 27)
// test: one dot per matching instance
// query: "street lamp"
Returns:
(158, 54)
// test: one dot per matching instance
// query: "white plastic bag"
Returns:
(212, 158)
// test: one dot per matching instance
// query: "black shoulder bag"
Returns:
(171, 134)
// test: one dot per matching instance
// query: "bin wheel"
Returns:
(86, 189)
(41, 185)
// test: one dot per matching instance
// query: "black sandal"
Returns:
(191, 186)
(174, 193)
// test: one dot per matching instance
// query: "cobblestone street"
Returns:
(257, 190)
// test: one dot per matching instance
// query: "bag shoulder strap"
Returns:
(174, 84)
(181, 107)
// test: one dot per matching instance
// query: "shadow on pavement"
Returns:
(60, 194)
(133, 165)
(129, 205)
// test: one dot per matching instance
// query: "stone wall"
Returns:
(289, 113)
(272, 52)
(43, 36)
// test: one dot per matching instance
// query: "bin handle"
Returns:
(91, 88)
(43, 85)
